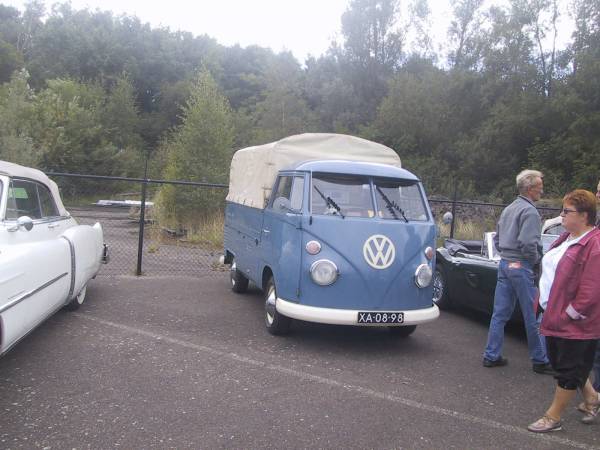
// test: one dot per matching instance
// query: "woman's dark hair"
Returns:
(584, 202)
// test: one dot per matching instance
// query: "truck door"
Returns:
(281, 234)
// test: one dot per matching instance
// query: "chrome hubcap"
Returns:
(270, 306)
(81, 295)
(232, 273)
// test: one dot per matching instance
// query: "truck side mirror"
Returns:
(282, 204)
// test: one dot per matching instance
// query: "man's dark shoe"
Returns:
(495, 363)
(544, 369)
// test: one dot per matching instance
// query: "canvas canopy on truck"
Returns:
(254, 169)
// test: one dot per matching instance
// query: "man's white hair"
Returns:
(526, 179)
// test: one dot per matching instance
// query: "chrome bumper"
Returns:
(105, 255)
(349, 316)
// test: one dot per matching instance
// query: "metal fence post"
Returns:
(453, 213)
(138, 271)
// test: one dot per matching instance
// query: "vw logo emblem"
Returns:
(379, 251)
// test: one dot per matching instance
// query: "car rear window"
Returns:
(28, 198)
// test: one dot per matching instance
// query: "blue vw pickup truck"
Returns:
(333, 230)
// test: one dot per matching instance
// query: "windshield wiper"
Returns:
(329, 202)
(391, 205)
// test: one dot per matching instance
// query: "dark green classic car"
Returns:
(466, 271)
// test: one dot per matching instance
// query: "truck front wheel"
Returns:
(277, 324)
(239, 283)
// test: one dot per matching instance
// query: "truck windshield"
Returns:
(343, 195)
(399, 200)
(350, 196)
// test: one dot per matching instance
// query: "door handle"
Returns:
(53, 225)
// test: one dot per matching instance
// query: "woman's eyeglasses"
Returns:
(566, 211)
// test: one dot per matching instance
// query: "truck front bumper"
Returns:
(349, 316)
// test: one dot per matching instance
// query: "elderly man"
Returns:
(519, 243)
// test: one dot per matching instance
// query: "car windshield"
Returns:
(399, 200)
(341, 195)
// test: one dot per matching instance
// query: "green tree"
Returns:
(283, 111)
(372, 50)
(17, 114)
(10, 60)
(464, 33)
(200, 149)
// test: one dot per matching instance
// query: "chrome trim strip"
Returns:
(41, 221)
(71, 288)
(28, 294)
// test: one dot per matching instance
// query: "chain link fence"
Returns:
(143, 243)
(471, 219)
(140, 242)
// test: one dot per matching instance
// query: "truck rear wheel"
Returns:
(277, 324)
(239, 283)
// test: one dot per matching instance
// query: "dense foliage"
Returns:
(89, 92)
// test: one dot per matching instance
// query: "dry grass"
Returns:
(206, 232)
(468, 229)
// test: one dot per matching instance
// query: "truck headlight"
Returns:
(323, 272)
(423, 275)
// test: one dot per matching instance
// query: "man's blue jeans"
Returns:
(514, 284)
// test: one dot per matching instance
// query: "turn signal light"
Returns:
(429, 252)
(313, 247)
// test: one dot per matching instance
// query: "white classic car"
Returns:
(46, 258)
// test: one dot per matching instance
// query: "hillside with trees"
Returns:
(90, 92)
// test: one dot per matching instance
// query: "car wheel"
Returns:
(239, 283)
(77, 300)
(440, 289)
(277, 324)
(403, 331)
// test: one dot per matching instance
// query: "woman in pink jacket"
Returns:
(570, 298)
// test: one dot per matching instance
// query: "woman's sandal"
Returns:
(589, 416)
(584, 409)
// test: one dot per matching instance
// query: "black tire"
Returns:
(277, 324)
(404, 331)
(440, 289)
(239, 283)
(78, 300)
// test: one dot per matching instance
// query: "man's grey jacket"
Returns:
(518, 233)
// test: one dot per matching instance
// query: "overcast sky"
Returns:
(302, 26)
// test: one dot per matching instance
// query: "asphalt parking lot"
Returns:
(186, 363)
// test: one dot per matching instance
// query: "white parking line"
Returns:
(348, 387)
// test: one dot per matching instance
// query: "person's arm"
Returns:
(588, 290)
(530, 236)
(497, 237)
